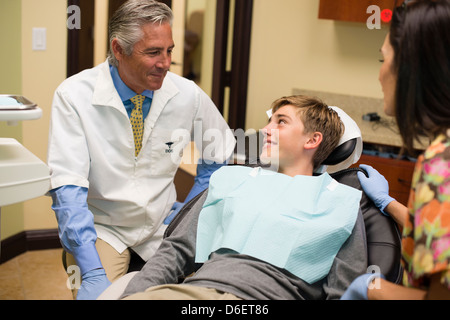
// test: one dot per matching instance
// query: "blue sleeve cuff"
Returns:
(87, 258)
(385, 203)
(196, 189)
(201, 181)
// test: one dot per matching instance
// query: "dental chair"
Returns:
(382, 234)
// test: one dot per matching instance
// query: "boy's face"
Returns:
(284, 137)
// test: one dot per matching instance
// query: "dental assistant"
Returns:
(415, 79)
(115, 144)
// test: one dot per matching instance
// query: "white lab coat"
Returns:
(91, 145)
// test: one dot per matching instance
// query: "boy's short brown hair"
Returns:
(316, 117)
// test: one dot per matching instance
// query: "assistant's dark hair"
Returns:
(420, 37)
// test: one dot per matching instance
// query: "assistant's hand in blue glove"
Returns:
(93, 283)
(376, 187)
(359, 287)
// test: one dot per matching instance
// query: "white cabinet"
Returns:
(23, 176)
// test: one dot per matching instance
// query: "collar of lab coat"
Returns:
(106, 95)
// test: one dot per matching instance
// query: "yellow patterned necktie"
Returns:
(137, 122)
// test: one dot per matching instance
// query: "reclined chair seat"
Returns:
(382, 233)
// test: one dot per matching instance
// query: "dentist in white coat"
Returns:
(113, 190)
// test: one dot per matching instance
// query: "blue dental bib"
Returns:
(295, 223)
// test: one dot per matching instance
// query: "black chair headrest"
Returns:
(341, 153)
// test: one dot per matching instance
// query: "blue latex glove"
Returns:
(201, 182)
(174, 211)
(76, 226)
(376, 187)
(93, 283)
(359, 287)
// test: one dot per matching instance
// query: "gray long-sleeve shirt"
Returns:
(246, 277)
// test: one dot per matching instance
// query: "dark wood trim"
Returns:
(240, 63)
(236, 78)
(352, 10)
(29, 240)
(220, 54)
(183, 184)
(73, 40)
(167, 2)
(80, 42)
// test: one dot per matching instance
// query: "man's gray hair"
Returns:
(127, 22)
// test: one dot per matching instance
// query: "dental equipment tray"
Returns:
(14, 102)
(14, 108)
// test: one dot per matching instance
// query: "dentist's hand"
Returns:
(376, 187)
(93, 283)
(177, 206)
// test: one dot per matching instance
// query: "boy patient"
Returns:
(267, 234)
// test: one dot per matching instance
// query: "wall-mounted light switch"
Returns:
(39, 39)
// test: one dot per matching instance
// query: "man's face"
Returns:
(147, 66)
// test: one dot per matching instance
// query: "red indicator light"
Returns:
(386, 15)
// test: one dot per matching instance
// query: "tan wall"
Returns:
(291, 48)
(101, 31)
(41, 73)
(11, 83)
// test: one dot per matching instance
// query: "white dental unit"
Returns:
(23, 176)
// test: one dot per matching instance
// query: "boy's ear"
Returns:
(314, 140)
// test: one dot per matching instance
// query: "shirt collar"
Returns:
(124, 91)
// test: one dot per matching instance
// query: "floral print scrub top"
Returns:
(426, 235)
